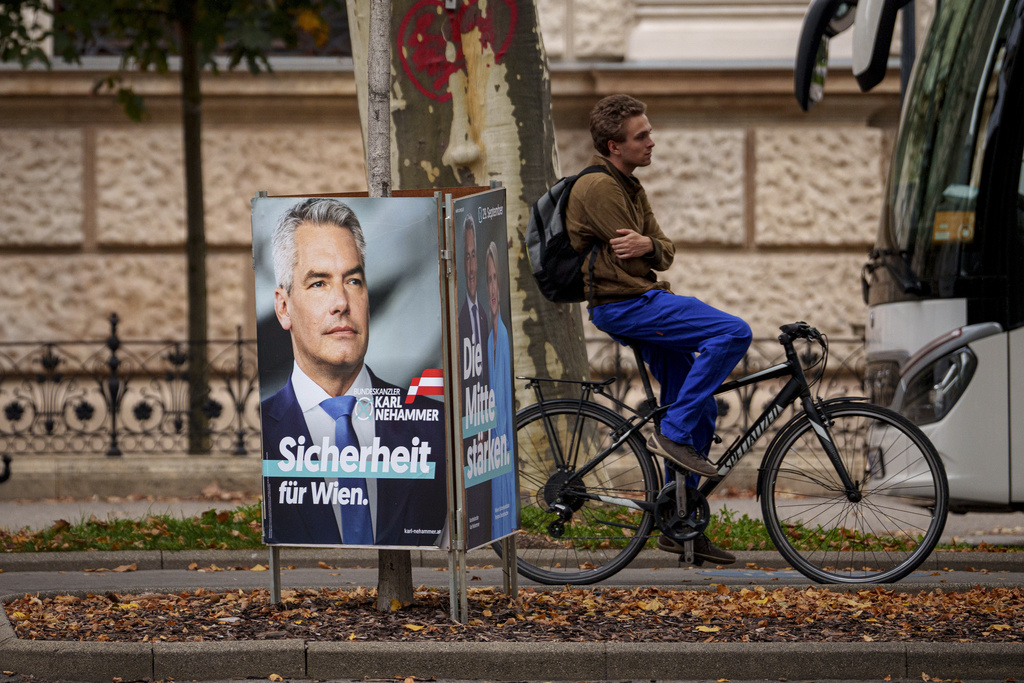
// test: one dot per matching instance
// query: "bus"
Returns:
(944, 283)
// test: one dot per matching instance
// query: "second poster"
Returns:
(485, 368)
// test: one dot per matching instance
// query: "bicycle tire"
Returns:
(885, 535)
(601, 537)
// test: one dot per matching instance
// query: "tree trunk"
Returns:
(195, 239)
(473, 105)
(394, 578)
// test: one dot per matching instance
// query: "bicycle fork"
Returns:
(823, 432)
(798, 384)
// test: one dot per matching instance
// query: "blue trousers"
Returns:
(690, 348)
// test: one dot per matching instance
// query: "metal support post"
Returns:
(509, 566)
(453, 586)
(275, 574)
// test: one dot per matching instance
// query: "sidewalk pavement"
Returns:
(156, 571)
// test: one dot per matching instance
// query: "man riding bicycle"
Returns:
(689, 346)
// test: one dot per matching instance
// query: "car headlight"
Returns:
(933, 391)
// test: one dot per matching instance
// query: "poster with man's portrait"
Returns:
(349, 338)
(485, 367)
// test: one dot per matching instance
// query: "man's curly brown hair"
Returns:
(607, 117)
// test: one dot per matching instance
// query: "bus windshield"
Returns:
(929, 217)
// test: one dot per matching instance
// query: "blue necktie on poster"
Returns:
(356, 527)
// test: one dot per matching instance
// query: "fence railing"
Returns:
(125, 396)
(117, 396)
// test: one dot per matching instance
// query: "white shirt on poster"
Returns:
(310, 395)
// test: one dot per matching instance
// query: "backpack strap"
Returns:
(596, 168)
(590, 282)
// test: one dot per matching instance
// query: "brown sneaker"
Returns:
(702, 548)
(684, 455)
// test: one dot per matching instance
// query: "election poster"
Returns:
(349, 340)
(485, 367)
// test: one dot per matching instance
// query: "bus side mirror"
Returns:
(872, 39)
(824, 19)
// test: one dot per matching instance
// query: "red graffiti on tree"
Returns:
(427, 29)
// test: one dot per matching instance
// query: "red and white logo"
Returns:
(430, 383)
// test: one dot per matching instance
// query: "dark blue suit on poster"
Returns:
(403, 506)
(478, 498)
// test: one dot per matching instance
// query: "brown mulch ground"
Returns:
(783, 614)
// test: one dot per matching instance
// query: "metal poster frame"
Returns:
(455, 540)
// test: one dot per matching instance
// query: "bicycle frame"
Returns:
(796, 388)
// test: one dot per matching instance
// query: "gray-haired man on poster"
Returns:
(358, 479)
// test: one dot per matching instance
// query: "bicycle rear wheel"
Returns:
(903, 496)
(600, 529)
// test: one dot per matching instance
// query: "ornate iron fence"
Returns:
(118, 397)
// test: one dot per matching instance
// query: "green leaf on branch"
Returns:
(132, 103)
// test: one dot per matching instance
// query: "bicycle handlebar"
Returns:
(799, 330)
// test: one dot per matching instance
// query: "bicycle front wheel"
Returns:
(894, 520)
(580, 529)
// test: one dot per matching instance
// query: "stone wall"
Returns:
(93, 220)
(772, 221)
(773, 210)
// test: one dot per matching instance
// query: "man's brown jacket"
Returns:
(599, 205)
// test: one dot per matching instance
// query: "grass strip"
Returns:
(241, 528)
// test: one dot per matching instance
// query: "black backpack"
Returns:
(556, 265)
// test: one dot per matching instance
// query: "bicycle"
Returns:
(850, 492)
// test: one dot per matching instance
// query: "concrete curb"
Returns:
(92, 661)
(511, 661)
(311, 557)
